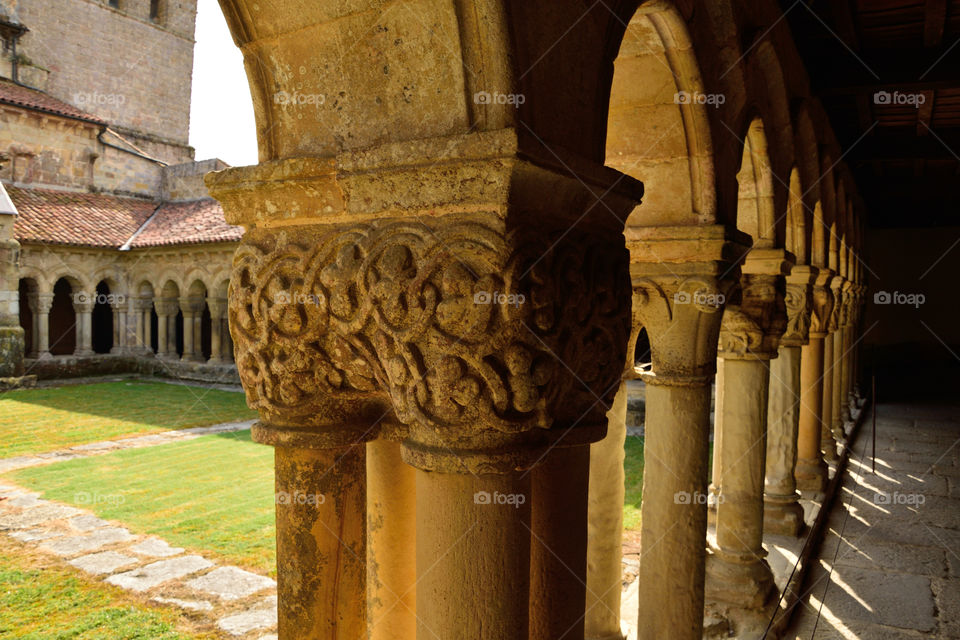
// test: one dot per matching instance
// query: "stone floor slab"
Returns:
(231, 583)
(261, 617)
(156, 548)
(192, 605)
(159, 572)
(87, 522)
(26, 500)
(947, 593)
(33, 535)
(36, 515)
(73, 545)
(103, 562)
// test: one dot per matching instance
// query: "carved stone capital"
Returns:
(40, 302)
(191, 306)
(166, 307)
(83, 302)
(217, 307)
(682, 278)
(799, 303)
(482, 329)
(822, 304)
(754, 322)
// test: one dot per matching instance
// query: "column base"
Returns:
(46, 355)
(782, 515)
(745, 583)
(86, 352)
(214, 361)
(811, 476)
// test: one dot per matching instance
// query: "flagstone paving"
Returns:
(889, 566)
(240, 603)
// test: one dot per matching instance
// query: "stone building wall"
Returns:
(118, 64)
(49, 150)
(185, 181)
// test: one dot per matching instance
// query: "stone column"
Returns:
(141, 343)
(119, 328)
(476, 314)
(811, 471)
(198, 332)
(391, 543)
(83, 308)
(828, 443)
(847, 340)
(678, 297)
(41, 314)
(163, 328)
(605, 526)
(738, 576)
(189, 349)
(217, 307)
(11, 333)
(782, 513)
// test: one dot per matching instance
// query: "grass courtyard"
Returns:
(212, 495)
(41, 420)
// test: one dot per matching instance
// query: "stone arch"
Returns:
(796, 220)
(103, 321)
(755, 203)
(656, 96)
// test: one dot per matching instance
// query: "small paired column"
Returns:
(83, 309)
(166, 309)
(682, 316)
(217, 308)
(738, 576)
(811, 472)
(119, 325)
(226, 342)
(192, 309)
(782, 513)
(40, 305)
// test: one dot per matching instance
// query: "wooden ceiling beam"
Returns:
(934, 21)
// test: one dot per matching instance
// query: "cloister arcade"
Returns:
(391, 378)
(167, 313)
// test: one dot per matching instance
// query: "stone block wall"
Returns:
(117, 63)
(185, 181)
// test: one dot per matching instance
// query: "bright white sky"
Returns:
(221, 113)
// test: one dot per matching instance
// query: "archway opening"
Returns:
(102, 319)
(63, 319)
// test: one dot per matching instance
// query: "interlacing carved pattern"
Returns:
(462, 325)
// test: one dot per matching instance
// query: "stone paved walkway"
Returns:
(893, 540)
(240, 603)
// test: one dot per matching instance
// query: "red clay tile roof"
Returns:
(86, 219)
(21, 96)
(187, 223)
(100, 220)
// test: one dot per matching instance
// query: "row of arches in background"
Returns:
(53, 321)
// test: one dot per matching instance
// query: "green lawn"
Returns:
(214, 493)
(43, 602)
(40, 420)
(633, 482)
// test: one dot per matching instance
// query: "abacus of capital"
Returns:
(391, 327)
